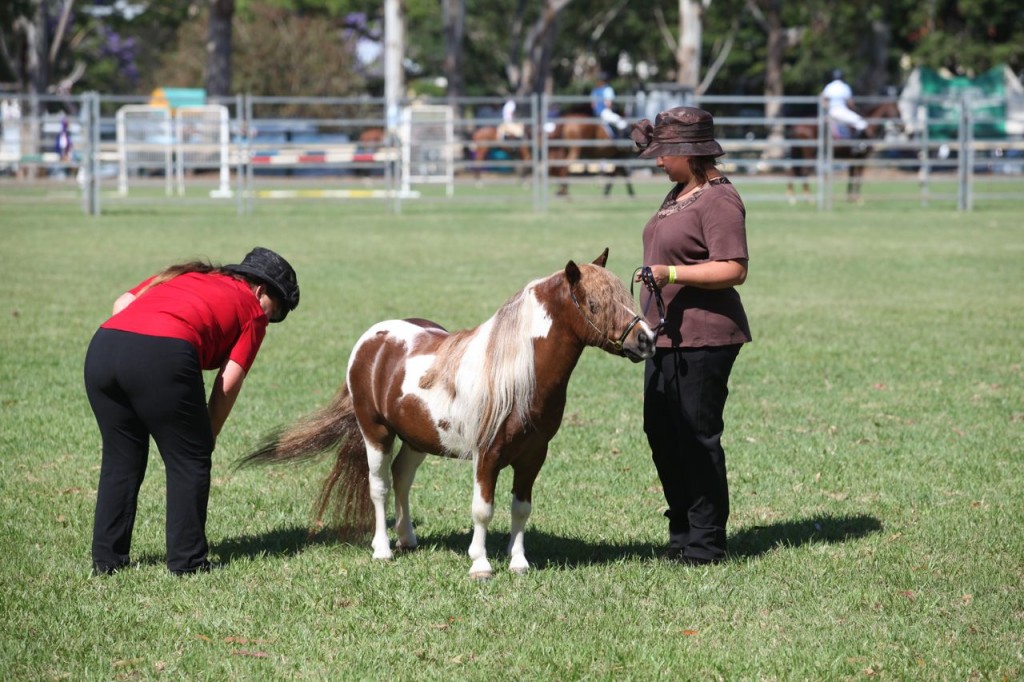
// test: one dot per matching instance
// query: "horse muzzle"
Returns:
(637, 342)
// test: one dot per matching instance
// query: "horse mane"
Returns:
(504, 386)
(510, 379)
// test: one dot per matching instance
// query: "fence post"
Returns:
(821, 155)
(964, 161)
(91, 163)
(542, 165)
(537, 123)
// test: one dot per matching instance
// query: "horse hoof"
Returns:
(519, 570)
(482, 576)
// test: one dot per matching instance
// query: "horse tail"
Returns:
(346, 490)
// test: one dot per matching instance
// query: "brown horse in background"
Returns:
(486, 139)
(576, 128)
(854, 149)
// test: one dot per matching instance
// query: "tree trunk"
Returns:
(768, 14)
(688, 51)
(218, 48)
(538, 46)
(454, 31)
(513, 66)
(877, 77)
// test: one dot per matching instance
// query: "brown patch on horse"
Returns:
(448, 352)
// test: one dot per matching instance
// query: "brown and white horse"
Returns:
(493, 394)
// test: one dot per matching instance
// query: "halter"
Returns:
(615, 344)
(647, 277)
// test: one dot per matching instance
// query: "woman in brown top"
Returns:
(696, 247)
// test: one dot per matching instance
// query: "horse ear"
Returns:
(572, 273)
(602, 259)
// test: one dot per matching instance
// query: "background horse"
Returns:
(486, 139)
(576, 128)
(855, 149)
(493, 394)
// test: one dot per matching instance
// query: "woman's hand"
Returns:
(716, 274)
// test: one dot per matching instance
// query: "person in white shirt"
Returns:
(837, 97)
(509, 128)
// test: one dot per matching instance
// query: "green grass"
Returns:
(874, 435)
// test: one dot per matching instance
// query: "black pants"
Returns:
(684, 399)
(140, 386)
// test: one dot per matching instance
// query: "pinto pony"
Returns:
(493, 394)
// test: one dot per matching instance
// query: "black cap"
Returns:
(271, 269)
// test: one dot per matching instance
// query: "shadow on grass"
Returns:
(546, 550)
(816, 530)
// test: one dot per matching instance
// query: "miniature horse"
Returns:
(493, 394)
(857, 150)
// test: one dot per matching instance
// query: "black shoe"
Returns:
(204, 567)
(106, 569)
(685, 560)
(671, 554)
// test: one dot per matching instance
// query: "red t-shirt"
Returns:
(217, 314)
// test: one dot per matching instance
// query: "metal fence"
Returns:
(110, 150)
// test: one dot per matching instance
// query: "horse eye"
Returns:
(593, 307)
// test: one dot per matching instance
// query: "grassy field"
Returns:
(874, 435)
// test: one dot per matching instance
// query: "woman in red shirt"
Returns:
(696, 247)
(144, 377)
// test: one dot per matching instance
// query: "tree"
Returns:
(455, 30)
(218, 47)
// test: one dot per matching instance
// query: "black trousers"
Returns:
(141, 386)
(684, 399)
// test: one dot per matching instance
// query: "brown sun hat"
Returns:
(682, 131)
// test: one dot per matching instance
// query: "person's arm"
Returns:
(716, 274)
(225, 390)
(123, 301)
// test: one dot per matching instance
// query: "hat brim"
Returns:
(243, 269)
(710, 148)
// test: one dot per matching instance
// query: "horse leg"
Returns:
(853, 188)
(378, 457)
(403, 471)
(627, 175)
(483, 512)
(526, 470)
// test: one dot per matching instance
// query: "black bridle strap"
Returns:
(647, 277)
(616, 344)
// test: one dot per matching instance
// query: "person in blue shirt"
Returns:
(602, 98)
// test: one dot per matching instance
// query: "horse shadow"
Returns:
(549, 550)
(546, 550)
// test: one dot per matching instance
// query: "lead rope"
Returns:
(647, 277)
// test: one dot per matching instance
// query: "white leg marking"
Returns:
(482, 515)
(404, 472)
(516, 551)
(380, 485)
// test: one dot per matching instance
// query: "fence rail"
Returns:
(260, 148)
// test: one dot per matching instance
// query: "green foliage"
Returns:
(273, 52)
(874, 436)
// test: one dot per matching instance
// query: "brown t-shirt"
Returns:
(709, 225)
